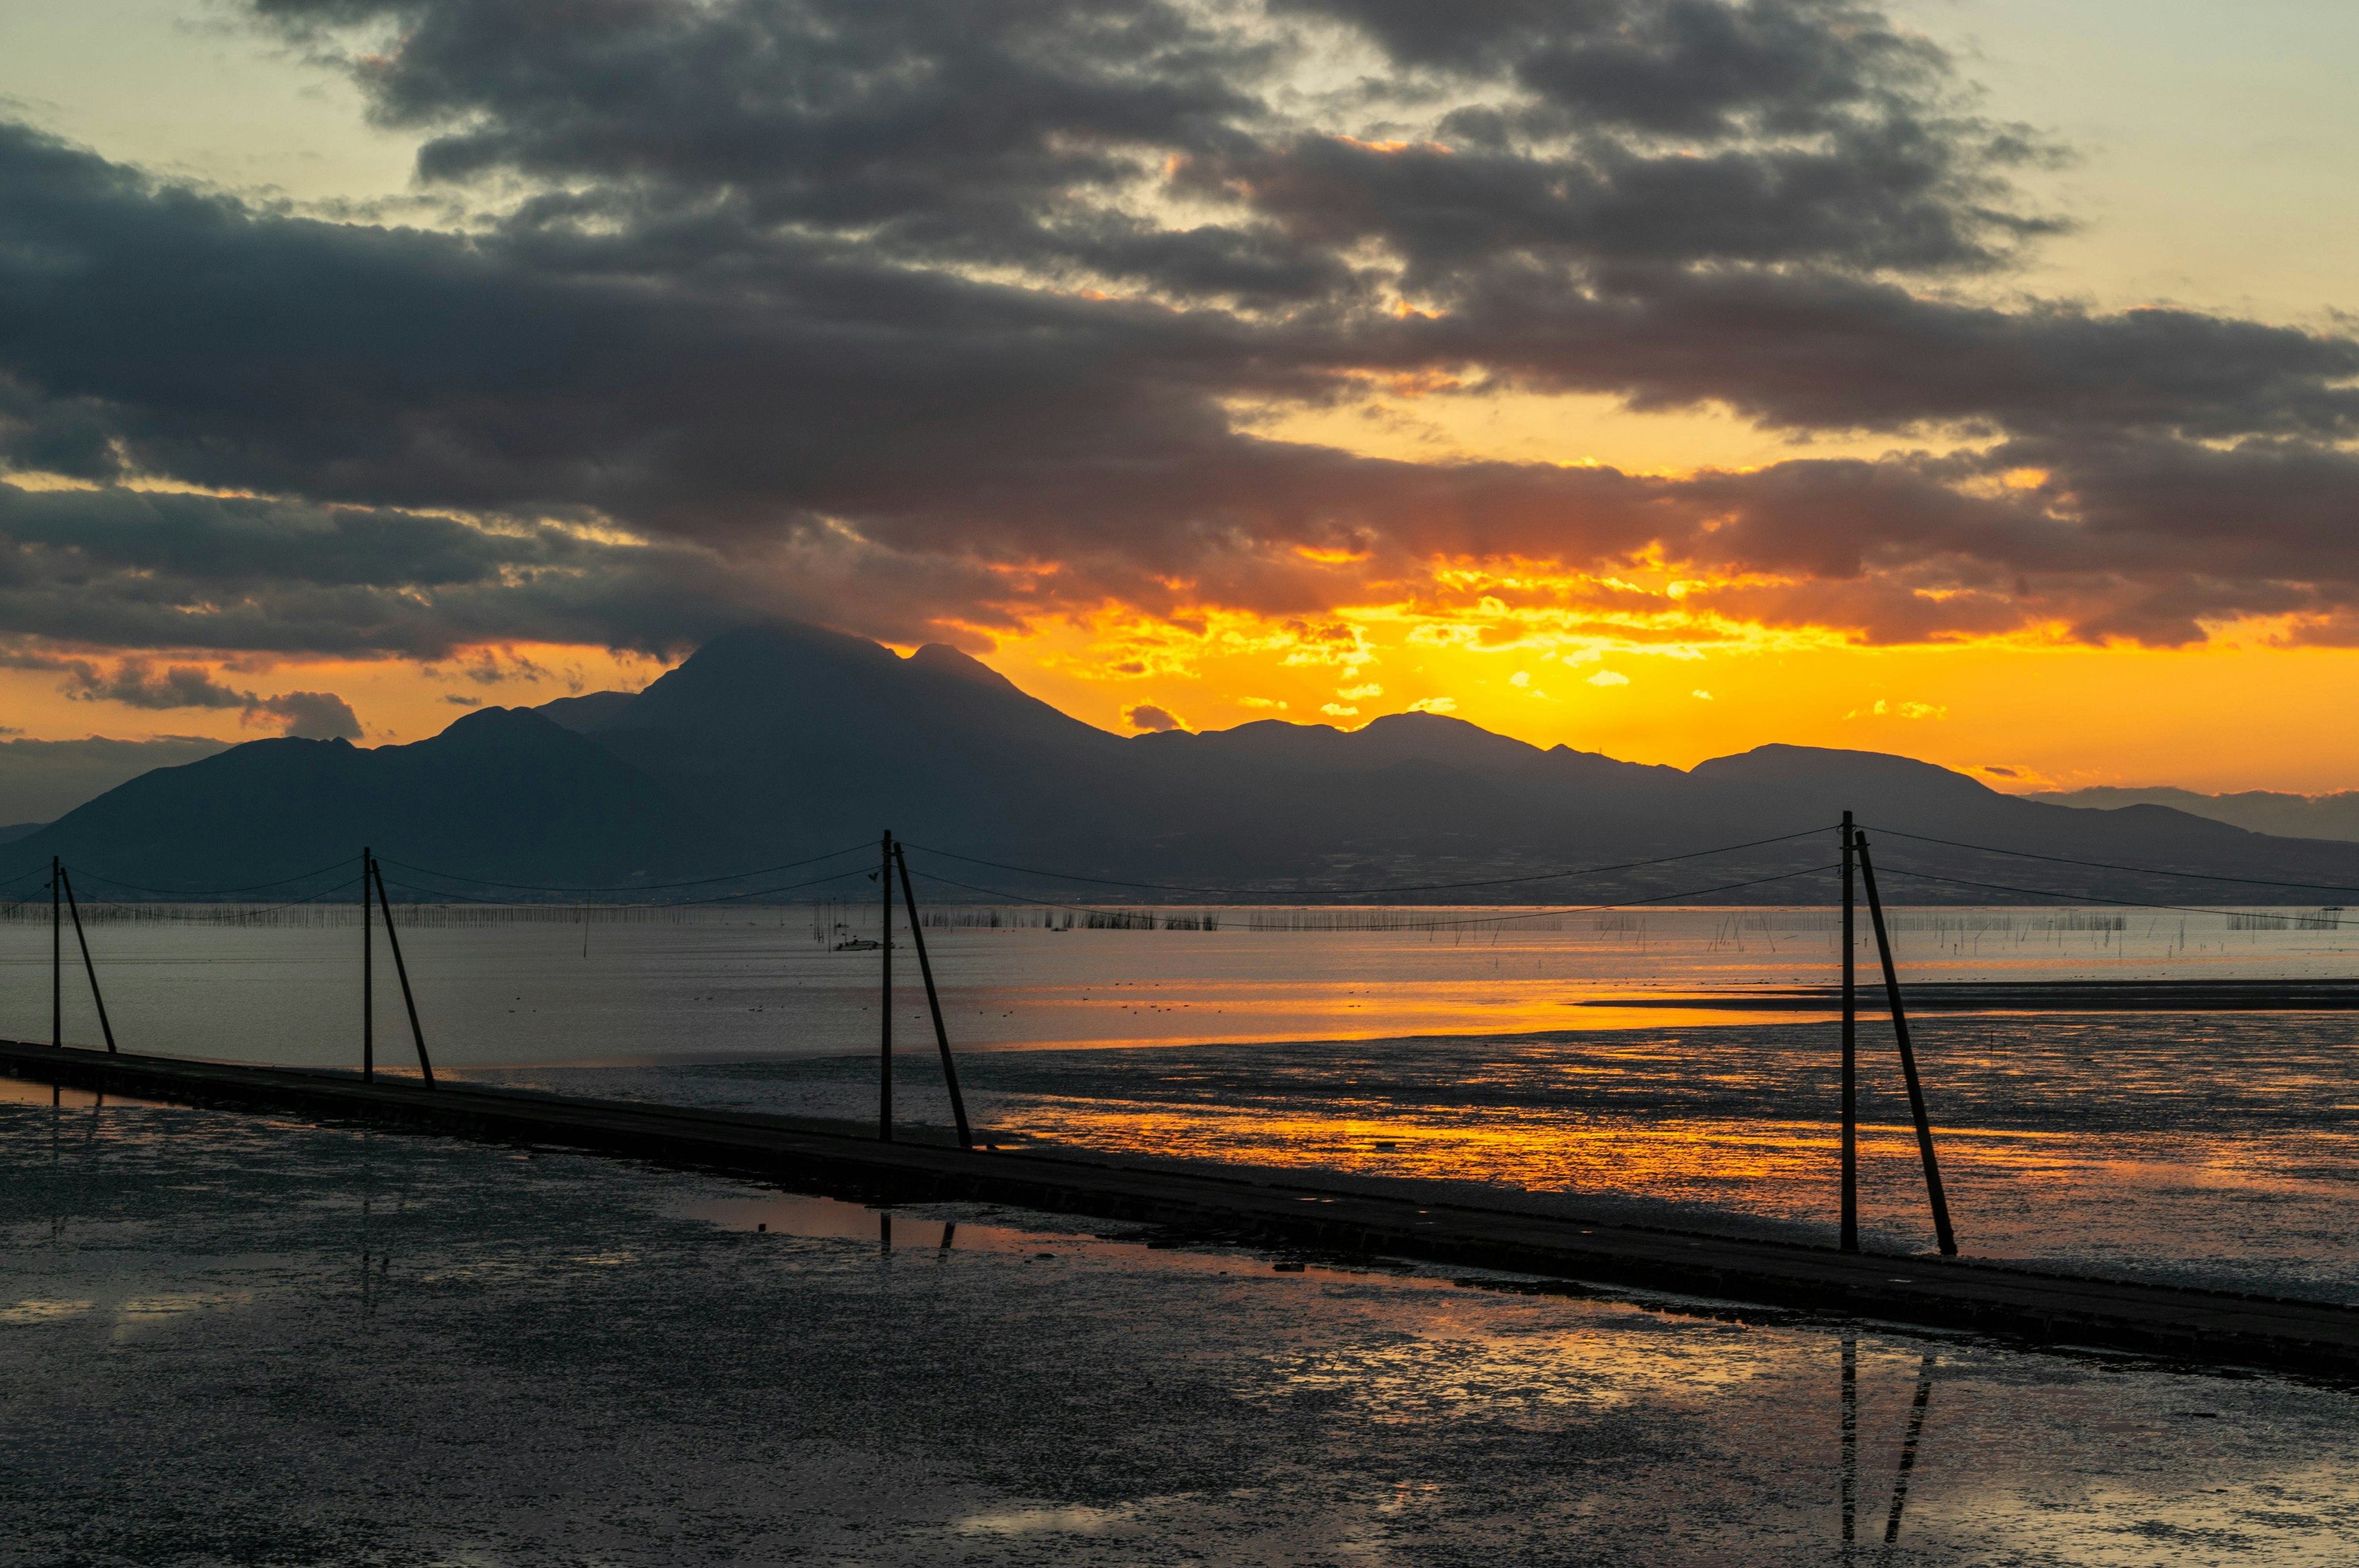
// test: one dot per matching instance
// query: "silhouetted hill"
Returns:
(587, 711)
(2333, 816)
(776, 743)
(503, 793)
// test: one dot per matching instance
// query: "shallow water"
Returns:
(2217, 1147)
(743, 984)
(231, 1340)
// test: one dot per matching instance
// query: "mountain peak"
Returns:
(941, 659)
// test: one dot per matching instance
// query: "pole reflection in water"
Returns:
(884, 1230)
(948, 1230)
(1909, 1447)
(1850, 1462)
(1911, 1441)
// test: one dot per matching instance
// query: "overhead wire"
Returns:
(1362, 892)
(2110, 866)
(240, 914)
(2081, 897)
(1422, 926)
(88, 875)
(439, 894)
(624, 887)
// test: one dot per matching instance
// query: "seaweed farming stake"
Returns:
(1942, 1231)
(884, 954)
(368, 978)
(399, 968)
(933, 1001)
(89, 968)
(1848, 1236)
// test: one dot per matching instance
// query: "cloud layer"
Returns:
(932, 314)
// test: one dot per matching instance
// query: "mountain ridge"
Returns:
(773, 744)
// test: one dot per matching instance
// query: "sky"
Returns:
(1970, 379)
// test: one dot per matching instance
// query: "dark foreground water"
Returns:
(237, 1340)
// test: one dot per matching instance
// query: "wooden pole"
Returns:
(885, 952)
(401, 970)
(57, 956)
(933, 1001)
(368, 977)
(1849, 1229)
(1942, 1231)
(89, 968)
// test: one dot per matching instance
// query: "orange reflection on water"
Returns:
(1753, 1165)
(1232, 1011)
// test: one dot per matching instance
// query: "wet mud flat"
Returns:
(2215, 1327)
(230, 1338)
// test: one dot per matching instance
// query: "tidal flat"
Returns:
(235, 1339)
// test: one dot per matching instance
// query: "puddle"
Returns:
(796, 1213)
(26, 1091)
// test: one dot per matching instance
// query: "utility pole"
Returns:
(885, 952)
(1849, 1237)
(368, 977)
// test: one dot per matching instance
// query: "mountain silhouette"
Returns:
(2333, 816)
(775, 744)
(503, 793)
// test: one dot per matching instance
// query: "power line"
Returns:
(439, 895)
(2081, 897)
(1358, 892)
(1427, 926)
(625, 887)
(230, 917)
(211, 893)
(2109, 866)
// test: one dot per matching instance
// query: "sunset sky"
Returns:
(1972, 379)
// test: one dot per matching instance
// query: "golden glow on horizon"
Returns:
(2018, 713)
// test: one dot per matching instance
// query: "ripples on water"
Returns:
(2211, 1148)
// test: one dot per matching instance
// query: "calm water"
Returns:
(2213, 1148)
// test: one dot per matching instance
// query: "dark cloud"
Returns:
(136, 684)
(1148, 716)
(936, 314)
(309, 715)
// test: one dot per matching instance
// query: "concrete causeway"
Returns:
(2212, 1327)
